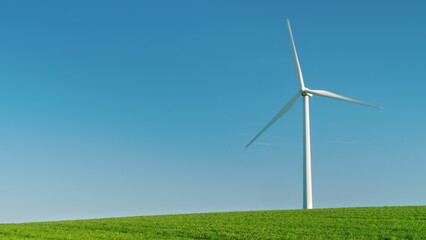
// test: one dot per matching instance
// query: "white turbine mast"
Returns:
(306, 93)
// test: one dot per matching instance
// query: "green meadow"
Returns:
(408, 222)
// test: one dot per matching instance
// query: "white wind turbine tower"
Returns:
(306, 93)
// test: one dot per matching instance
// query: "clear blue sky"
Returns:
(124, 108)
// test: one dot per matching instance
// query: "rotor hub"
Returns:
(304, 93)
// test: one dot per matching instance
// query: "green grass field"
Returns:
(339, 223)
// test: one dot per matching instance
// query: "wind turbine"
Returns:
(306, 93)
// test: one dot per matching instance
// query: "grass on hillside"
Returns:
(340, 223)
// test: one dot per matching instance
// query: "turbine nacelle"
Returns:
(304, 92)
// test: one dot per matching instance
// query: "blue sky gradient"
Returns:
(124, 108)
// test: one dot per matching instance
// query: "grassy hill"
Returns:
(340, 223)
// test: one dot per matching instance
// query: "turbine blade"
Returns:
(278, 116)
(297, 67)
(324, 93)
